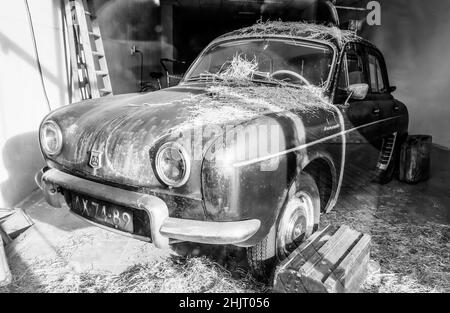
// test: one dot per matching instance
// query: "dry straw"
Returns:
(234, 96)
(330, 34)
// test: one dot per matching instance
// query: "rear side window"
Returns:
(377, 84)
(352, 69)
(355, 65)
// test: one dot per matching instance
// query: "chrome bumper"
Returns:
(162, 226)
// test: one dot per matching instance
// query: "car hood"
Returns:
(124, 128)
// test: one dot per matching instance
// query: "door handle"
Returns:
(376, 111)
(396, 108)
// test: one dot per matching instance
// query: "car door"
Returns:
(389, 108)
(361, 117)
(379, 93)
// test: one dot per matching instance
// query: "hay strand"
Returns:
(330, 34)
(234, 96)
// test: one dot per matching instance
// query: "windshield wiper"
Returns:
(204, 76)
(265, 80)
(276, 82)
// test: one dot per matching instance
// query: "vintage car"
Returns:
(145, 165)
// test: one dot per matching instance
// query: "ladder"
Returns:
(90, 75)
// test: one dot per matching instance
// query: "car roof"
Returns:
(329, 34)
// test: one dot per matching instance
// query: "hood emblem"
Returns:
(96, 159)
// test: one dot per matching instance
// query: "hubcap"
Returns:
(296, 224)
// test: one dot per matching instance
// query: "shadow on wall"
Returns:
(22, 159)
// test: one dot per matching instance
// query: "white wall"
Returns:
(22, 101)
(415, 38)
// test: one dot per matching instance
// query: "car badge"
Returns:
(96, 159)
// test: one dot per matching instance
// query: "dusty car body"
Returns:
(105, 166)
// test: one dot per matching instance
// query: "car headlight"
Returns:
(172, 164)
(51, 138)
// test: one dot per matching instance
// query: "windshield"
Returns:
(295, 62)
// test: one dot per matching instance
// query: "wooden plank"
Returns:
(5, 273)
(353, 264)
(287, 282)
(353, 256)
(5, 237)
(324, 250)
(5, 213)
(324, 269)
(286, 278)
(311, 249)
(299, 256)
(326, 263)
(16, 224)
(356, 279)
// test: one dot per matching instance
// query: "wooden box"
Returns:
(5, 273)
(329, 261)
(415, 159)
(13, 222)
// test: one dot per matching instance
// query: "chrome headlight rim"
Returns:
(185, 158)
(59, 138)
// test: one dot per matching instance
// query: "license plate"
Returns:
(103, 213)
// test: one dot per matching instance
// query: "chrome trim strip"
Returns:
(210, 232)
(304, 146)
(38, 179)
(343, 158)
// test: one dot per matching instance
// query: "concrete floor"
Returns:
(422, 202)
(59, 235)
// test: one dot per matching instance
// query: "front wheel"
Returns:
(297, 221)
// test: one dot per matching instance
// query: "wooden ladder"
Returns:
(90, 75)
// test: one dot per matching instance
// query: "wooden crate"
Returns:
(5, 273)
(13, 222)
(330, 261)
(415, 159)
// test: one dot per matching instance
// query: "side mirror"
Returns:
(358, 91)
(392, 89)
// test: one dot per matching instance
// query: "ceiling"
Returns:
(275, 9)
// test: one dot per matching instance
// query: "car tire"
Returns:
(298, 220)
(261, 260)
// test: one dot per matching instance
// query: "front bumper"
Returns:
(162, 227)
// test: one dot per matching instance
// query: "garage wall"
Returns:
(125, 24)
(415, 38)
(22, 101)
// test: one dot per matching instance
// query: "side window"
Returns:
(377, 84)
(355, 64)
(381, 84)
(343, 74)
(352, 68)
